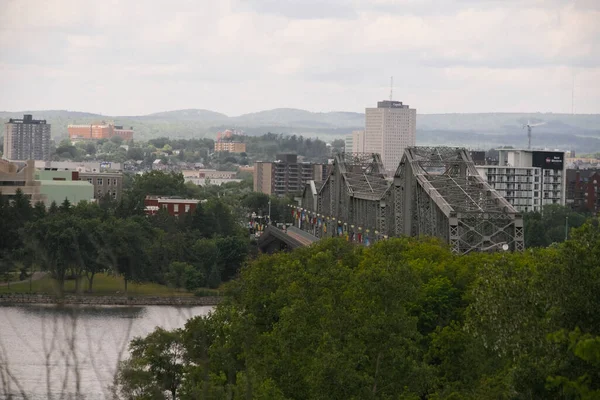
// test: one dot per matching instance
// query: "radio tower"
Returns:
(391, 88)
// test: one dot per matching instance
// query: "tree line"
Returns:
(198, 249)
(258, 148)
(403, 319)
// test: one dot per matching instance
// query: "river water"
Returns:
(71, 352)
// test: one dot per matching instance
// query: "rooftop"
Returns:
(64, 183)
(27, 119)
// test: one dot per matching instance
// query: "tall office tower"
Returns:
(27, 139)
(389, 129)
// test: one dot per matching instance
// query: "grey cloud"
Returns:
(240, 56)
(302, 9)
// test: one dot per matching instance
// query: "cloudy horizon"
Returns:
(236, 57)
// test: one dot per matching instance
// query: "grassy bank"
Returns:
(104, 285)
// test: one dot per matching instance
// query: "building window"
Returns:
(187, 208)
(176, 208)
(90, 180)
(164, 206)
(108, 182)
(99, 181)
(114, 195)
(115, 181)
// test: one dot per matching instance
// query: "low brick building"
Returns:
(175, 206)
(583, 192)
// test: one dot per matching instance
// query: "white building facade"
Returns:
(389, 129)
(358, 141)
(528, 179)
(348, 143)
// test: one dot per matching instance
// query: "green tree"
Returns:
(90, 148)
(159, 183)
(176, 275)
(214, 278)
(194, 278)
(220, 218)
(53, 209)
(583, 383)
(39, 211)
(65, 206)
(127, 241)
(135, 153)
(232, 252)
(155, 367)
(551, 225)
(54, 240)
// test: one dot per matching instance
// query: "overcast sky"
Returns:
(126, 57)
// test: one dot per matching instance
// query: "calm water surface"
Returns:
(41, 345)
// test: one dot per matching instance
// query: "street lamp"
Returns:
(269, 222)
(502, 245)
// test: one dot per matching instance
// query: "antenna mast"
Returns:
(391, 88)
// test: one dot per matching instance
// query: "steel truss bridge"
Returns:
(436, 191)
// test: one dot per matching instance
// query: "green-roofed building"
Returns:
(58, 191)
(56, 186)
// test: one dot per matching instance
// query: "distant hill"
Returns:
(50, 114)
(292, 117)
(580, 132)
(186, 115)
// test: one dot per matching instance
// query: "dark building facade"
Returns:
(582, 190)
(286, 175)
(105, 183)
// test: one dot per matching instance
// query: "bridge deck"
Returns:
(292, 237)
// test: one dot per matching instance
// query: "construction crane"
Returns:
(529, 125)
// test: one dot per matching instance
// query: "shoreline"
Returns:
(26, 298)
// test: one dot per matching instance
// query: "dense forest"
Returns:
(404, 319)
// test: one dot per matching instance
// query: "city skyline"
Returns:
(240, 57)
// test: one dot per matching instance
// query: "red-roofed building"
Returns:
(174, 206)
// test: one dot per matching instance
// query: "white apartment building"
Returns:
(389, 129)
(528, 179)
(358, 141)
(348, 143)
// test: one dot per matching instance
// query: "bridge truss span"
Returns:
(446, 197)
(436, 191)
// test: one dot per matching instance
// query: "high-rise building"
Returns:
(389, 129)
(27, 139)
(285, 175)
(528, 179)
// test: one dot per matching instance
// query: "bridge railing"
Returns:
(323, 226)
